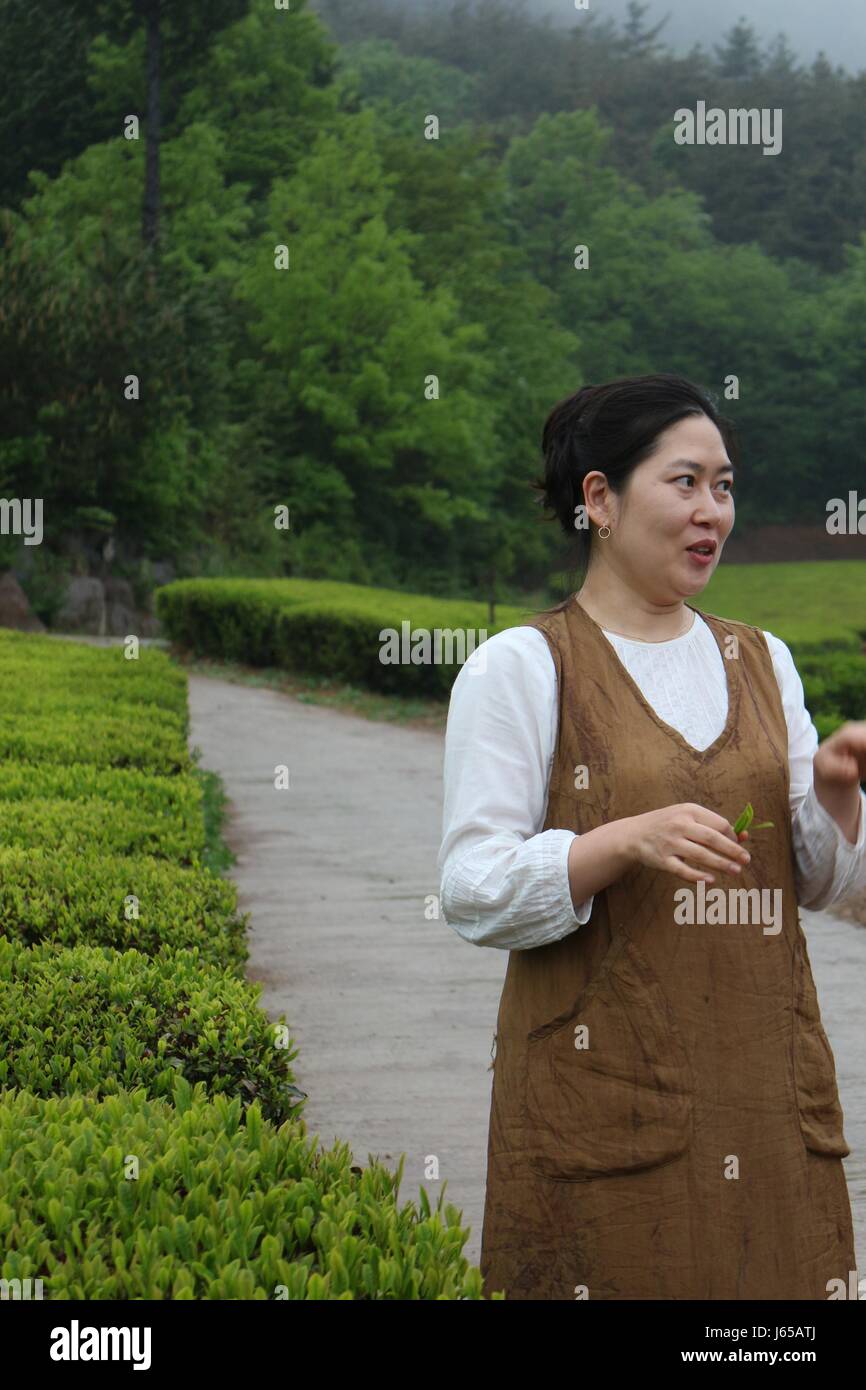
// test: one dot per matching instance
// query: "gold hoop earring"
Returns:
(604, 529)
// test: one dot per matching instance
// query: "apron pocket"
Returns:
(821, 1117)
(618, 1098)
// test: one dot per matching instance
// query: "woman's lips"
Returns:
(702, 560)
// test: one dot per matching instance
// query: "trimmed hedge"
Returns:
(139, 1075)
(76, 825)
(336, 630)
(82, 901)
(219, 1209)
(97, 1020)
(154, 743)
(179, 795)
(834, 686)
(95, 708)
(41, 668)
(323, 629)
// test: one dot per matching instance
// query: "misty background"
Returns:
(836, 28)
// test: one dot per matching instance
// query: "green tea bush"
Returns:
(140, 1080)
(100, 693)
(317, 640)
(84, 900)
(835, 684)
(324, 628)
(152, 743)
(178, 796)
(229, 619)
(33, 668)
(93, 1019)
(93, 705)
(116, 828)
(136, 1198)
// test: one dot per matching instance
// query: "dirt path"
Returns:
(394, 1014)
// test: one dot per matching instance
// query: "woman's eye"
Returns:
(690, 477)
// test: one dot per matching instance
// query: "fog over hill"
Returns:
(836, 27)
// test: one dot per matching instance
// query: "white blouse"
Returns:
(504, 881)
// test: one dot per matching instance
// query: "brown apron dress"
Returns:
(665, 1121)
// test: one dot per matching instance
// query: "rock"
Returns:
(123, 621)
(83, 607)
(119, 591)
(120, 621)
(123, 618)
(15, 610)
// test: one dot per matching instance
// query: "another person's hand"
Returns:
(840, 762)
(839, 766)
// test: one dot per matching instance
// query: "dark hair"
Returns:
(613, 427)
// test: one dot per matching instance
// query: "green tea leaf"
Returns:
(744, 820)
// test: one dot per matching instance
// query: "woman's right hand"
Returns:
(686, 840)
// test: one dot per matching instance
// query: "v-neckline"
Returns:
(732, 679)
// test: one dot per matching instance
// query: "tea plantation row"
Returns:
(151, 1141)
(323, 628)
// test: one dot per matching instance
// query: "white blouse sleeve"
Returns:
(828, 867)
(503, 881)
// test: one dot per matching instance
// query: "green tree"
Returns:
(47, 114)
(80, 315)
(175, 33)
(739, 56)
(660, 294)
(267, 84)
(350, 342)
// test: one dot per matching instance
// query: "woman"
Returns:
(665, 1120)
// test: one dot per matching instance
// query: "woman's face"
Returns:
(678, 497)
